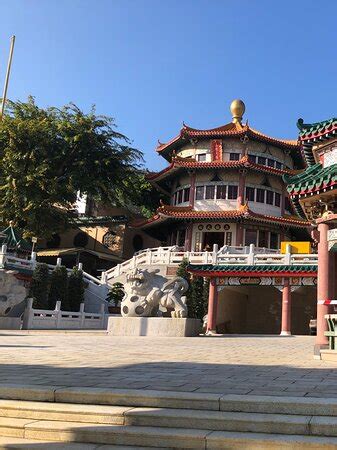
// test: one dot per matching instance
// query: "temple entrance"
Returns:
(211, 238)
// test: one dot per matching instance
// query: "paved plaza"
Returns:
(264, 365)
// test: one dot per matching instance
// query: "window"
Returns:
(221, 192)
(201, 157)
(186, 195)
(270, 198)
(210, 190)
(232, 192)
(199, 193)
(263, 238)
(250, 237)
(273, 240)
(180, 196)
(260, 195)
(278, 165)
(252, 158)
(234, 156)
(261, 160)
(277, 199)
(250, 194)
(270, 162)
(109, 239)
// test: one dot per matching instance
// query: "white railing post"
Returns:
(287, 256)
(104, 277)
(28, 315)
(80, 266)
(148, 256)
(134, 263)
(187, 255)
(58, 262)
(33, 259)
(215, 253)
(251, 254)
(102, 313)
(58, 313)
(82, 315)
(3, 255)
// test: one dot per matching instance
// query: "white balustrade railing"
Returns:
(173, 256)
(249, 255)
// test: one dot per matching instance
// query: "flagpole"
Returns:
(4, 95)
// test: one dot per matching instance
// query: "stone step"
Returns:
(17, 414)
(170, 399)
(13, 443)
(65, 435)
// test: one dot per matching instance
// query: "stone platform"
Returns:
(153, 326)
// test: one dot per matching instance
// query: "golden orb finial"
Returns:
(237, 109)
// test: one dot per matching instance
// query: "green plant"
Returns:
(183, 273)
(39, 286)
(75, 291)
(116, 294)
(197, 293)
(58, 288)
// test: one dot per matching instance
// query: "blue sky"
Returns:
(153, 64)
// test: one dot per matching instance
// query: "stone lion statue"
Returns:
(11, 291)
(147, 294)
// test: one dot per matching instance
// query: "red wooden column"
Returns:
(239, 234)
(188, 237)
(286, 309)
(212, 306)
(322, 284)
(192, 189)
(241, 190)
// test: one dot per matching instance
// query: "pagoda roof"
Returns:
(168, 213)
(179, 163)
(313, 133)
(229, 130)
(312, 180)
(99, 220)
(302, 270)
(12, 237)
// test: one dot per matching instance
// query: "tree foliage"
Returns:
(58, 288)
(39, 286)
(75, 292)
(116, 294)
(48, 155)
(197, 288)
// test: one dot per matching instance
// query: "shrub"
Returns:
(75, 291)
(116, 294)
(58, 288)
(39, 286)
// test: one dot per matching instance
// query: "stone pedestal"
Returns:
(10, 323)
(153, 326)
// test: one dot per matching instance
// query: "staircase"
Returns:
(94, 418)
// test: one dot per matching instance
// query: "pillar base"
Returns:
(285, 333)
(318, 348)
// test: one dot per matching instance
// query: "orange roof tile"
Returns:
(190, 163)
(166, 212)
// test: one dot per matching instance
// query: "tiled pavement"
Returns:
(261, 365)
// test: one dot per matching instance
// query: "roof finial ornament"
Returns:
(237, 109)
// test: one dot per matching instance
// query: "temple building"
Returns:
(314, 195)
(224, 186)
(226, 189)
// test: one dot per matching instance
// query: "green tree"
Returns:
(183, 273)
(58, 288)
(49, 155)
(75, 291)
(205, 295)
(197, 293)
(39, 286)
(116, 294)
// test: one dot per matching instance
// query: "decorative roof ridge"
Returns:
(308, 131)
(226, 127)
